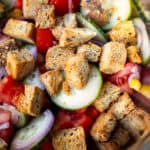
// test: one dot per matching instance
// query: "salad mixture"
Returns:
(74, 74)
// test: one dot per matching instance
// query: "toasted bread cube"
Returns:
(91, 50)
(52, 81)
(133, 54)
(123, 106)
(102, 128)
(110, 145)
(69, 139)
(121, 136)
(137, 123)
(66, 88)
(75, 36)
(77, 71)
(70, 20)
(31, 101)
(3, 144)
(113, 58)
(45, 16)
(94, 10)
(109, 94)
(19, 64)
(56, 57)
(5, 46)
(20, 29)
(124, 32)
(59, 27)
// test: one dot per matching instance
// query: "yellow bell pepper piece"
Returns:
(145, 90)
(135, 84)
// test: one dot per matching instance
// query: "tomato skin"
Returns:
(44, 39)
(68, 119)
(9, 89)
(46, 146)
(19, 4)
(92, 112)
(62, 6)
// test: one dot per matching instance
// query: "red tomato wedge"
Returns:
(19, 4)
(9, 89)
(68, 119)
(46, 146)
(65, 6)
(44, 39)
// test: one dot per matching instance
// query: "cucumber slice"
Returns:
(118, 10)
(29, 136)
(83, 97)
(19, 119)
(141, 11)
(145, 42)
(91, 25)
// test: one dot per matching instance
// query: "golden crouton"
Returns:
(77, 71)
(30, 7)
(68, 20)
(137, 123)
(123, 106)
(3, 144)
(20, 29)
(19, 63)
(69, 139)
(108, 95)
(66, 88)
(113, 58)
(91, 50)
(56, 57)
(52, 81)
(110, 145)
(124, 32)
(75, 36)
(133, 54)
(5, 46)
(45, 17)
(102, 128)
(121, 136)
(31, 101)
(94, 11)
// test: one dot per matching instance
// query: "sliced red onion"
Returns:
(135, 73)
(97, 42)
(3, 38)
(145, 76)
(2, 72)
(4, 126)
(141, 100)
(32, 134)
(15, 114)
(33, 50)
(139, 37)
(34, 79)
